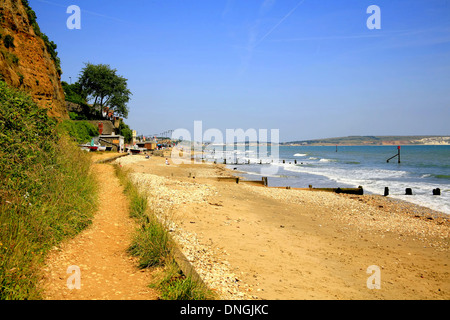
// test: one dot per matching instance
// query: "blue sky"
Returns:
(310, 68)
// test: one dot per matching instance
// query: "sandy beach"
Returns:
(254, 242)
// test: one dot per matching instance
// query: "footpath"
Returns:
(96, 260)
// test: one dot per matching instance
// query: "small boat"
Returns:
(94, 147)
(135, 151)
(85, 147)
(88, 147)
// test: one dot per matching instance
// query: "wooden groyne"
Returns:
(409, 192)
(111, 158)
(358, 191)
(262, 182)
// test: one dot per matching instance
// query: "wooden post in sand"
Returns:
(397, 155)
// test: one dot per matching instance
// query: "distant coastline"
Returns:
(373, 140)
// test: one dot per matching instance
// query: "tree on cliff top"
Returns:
(102, 85)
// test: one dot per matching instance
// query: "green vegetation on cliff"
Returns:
(47, 192)
(80, 131)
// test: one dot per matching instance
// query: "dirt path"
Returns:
(107, 272)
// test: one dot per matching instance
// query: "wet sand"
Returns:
(254, 242)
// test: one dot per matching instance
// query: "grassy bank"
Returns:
(153, 246)
(79, 131)
(47, 192)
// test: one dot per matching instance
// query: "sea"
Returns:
(422, 168)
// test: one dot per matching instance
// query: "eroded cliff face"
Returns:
(25, 61)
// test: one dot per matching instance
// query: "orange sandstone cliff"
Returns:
(26, 61)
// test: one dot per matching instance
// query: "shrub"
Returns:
(80, 131)
(174, 285)
(8, 41)
(21, 77)
(76, 116)
(72, 93)
(125, 130)
(47, 192)
(10, 57)
(15, 59)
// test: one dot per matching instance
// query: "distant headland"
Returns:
(373, 140)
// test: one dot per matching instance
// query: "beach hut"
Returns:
(149, 145)
(116, 142)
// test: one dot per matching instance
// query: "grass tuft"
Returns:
(153, 246)
(174, 285)
(151, 241)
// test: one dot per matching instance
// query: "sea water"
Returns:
(422, 168)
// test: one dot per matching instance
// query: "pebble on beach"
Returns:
(164, 196)
(378, 214)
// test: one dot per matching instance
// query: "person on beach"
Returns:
(167, 161)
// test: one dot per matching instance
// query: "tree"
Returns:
(125, 130)
(73, 92)
(102, 85)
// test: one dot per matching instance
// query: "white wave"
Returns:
(375, 180)
(355, 174)
(423, 197)
(300, 155)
